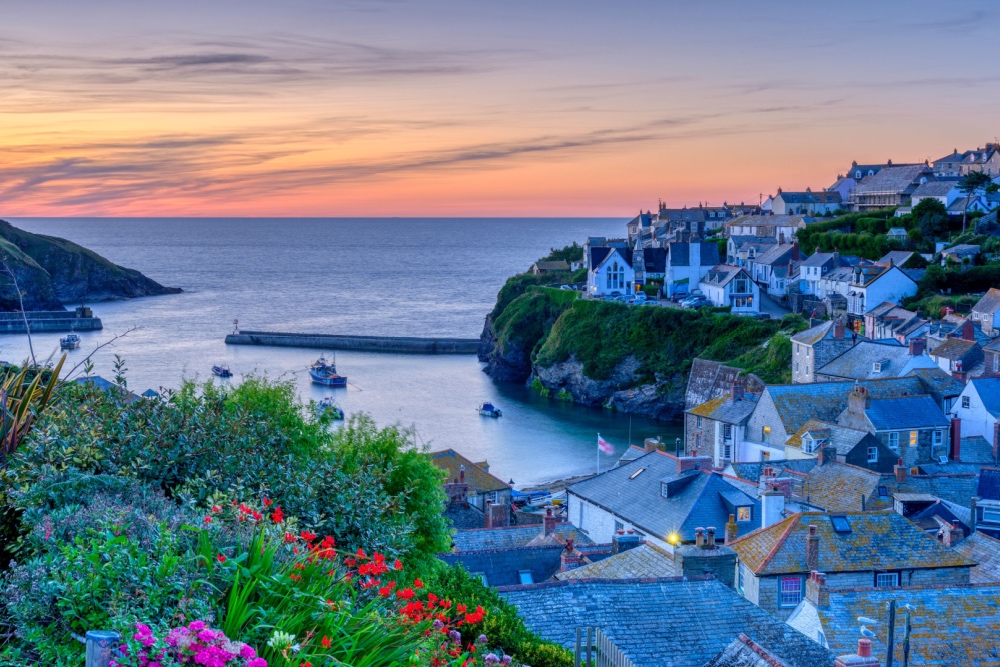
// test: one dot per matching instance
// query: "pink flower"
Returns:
(257, 662)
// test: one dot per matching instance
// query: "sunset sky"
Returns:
(469, 108)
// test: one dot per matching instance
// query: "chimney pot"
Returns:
(710, 538)
(900, 471)
(956, 439)
(731, 529)
(699, 537)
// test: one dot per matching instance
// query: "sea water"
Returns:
(384, 276)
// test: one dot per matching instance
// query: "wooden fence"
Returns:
(594, 649)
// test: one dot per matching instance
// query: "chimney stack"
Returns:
(864, 657)
(795, 251)
(816, 589)
(812, 549)
(900, 471)
(968, 331)
(570, 557)
(736, 392)
(772, 504)
(996, 441)
(549, 522)
(732, 530)
(699, 537)
(956, 439)
(951, 534)
(838, 330)
(685, 463)
(917, 346)
(623, 541)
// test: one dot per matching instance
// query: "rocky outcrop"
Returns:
(663, 399)
(508, 361)
(51, 272)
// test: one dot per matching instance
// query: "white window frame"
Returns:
(789, 596)
(886, 579)
(991, 514)
(873, 455)
(727, 432)
(894, 441)
(966, 402)
(744, 513)
(938, 438)
(739, 583)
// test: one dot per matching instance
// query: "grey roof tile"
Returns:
(906, 412)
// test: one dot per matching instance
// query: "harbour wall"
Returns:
(360, 343)
(41, 321)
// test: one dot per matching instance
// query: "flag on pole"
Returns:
(604, 445)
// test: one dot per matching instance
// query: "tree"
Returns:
(931, 218)
(971, 183)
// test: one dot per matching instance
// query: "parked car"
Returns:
(695, 302)
(566, 287)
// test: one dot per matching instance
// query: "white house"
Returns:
(806, 203)
(945, 191)
(687, 263)
(731, 286)
(611, 271)
(987, 312)
(978, 406)
(814, 268)
(866, 291)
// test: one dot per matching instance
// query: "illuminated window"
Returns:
(743, 513)
(913, 438)
(767, 434)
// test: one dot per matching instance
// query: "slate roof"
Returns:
(962, 250)
(502, 567)
(708, 380)
(654, 260)
(646, 561)
(600, 253)
(651, 621)
(818, 259)
(631, 454)
(798, 403)
(512, 537)
(897, 257)
(721, 274)
(464, 517)
(877, 541)
(989, 393)
(725, 409)
(780, 254)
(818, 197)
(858, 362)
(907, 412)
(745, 652)
(953, 349)
(680, 253)
(934, 189)
(639, 501)
(985, 551)
(976, 449)
(479, 480)
(954, 626)
(753, 471)
(936, 381)
(896, 179)
(815, 334)
(989, 484)
(843, 439)
(558, 265)
(990, 303)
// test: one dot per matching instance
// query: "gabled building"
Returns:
(843, 186)
(662, 498)
(611, 271)
(743, 250)
(812, 269)
(978, 408)
(897, 235)
(870, 360)
(913, 427)
(731, 286)
(991, 359)
(892, 185)
(806, 203)
(950, 625)
(847, 445)
(716, 428)
(944, 191)
(957, 355)
(816, 346)
(780, 227)
(887, 321)
(481, 485)
(987, 312)
(853, 550)
(783, 254)
(687, 263)
(872, 287)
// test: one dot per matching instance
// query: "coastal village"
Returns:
(849, 517)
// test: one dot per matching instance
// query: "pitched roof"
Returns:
(725, 409)
(953, 348)
(815, 334)
(936, 381)
(840, 437)
(798, 403)
(502, 567)
(897, 257)
(989, 393)
(953, 625)
(934, 189)
(859, 362)
(841, 487)
(875, 541)
(721, 274)
(905, 412)
(512, 537)
(990, 303)
(680, 253)
(558, 265)
(708, 380)
(745, 652)
(819, 259)
(646, 561)
(985, 551)
(633, 491)
(779, 254)
(479, 480)
(650, 621)
(989, 484)
(896, 179)
(654, 260)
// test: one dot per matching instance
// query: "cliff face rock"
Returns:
(52, 271)
(569, 375)
(661, 400)
(508, 363)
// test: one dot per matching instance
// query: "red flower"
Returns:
(307, 536)
(362, 554)
(385, 591)
(327, 542)
(220, 558)
(216, 509)
(406, 593)
(277, 516)
(208, 519)
(397, 565)
(418, 584)
(289, 538)
(267, 502)
(305, 663)
(326, 642)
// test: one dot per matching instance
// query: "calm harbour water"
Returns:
(406, 277)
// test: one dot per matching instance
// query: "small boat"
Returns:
(222, 371)
(325, 373)
(328, 406)
(69, 342)
(489, 410)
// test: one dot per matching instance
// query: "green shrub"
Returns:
(570, 253)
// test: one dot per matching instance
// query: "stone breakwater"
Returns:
(48, 321)
(398, 344)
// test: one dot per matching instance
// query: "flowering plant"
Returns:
(194, 644)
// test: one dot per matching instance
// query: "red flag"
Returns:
(604, 445)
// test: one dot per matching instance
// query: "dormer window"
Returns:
(744, 513)
(879, 366)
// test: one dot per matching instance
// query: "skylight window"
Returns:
(525, 577)
(636, 473)
(840, 524)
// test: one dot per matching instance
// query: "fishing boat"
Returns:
(222, 371)
(328, 406)
(325, 373)
(489, 410)
(69, 342)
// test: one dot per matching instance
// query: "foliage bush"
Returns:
(570, 253)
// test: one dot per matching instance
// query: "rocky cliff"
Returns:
(51, 272)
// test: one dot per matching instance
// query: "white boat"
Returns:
(489, 410)
(69, 342)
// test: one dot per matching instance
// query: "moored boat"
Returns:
(69, 342)
(222, 371)
(325, 373)
(330, 407)
(487, 409)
